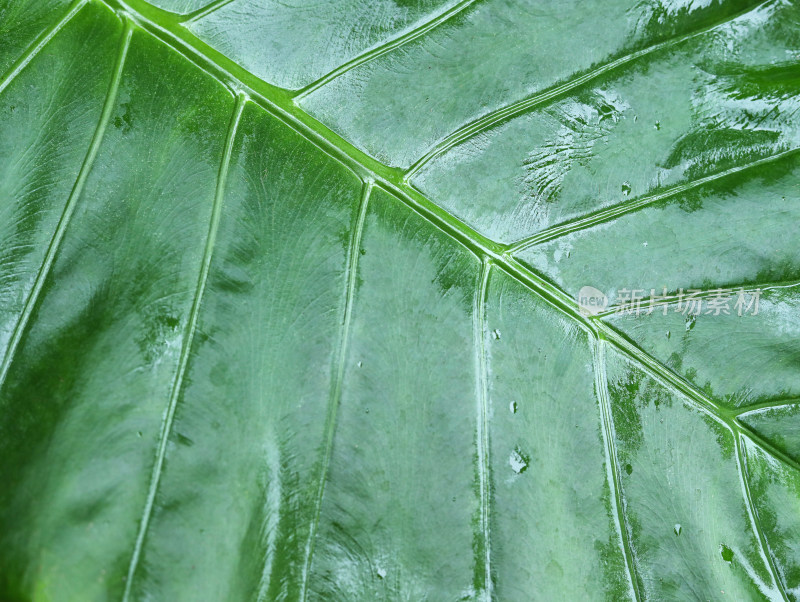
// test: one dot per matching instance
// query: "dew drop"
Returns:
(513, 407)
(669, 334)
(690, 321)
(360, 364)
(628, 468)
(518, 461)
(626, 188)
(726, 552)
(607, 112)
(496, 334)
(381, 573)
(657, 125)
(677, 529)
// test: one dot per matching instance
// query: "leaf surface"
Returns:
(288, 300)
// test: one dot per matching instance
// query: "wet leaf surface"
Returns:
(290, 300)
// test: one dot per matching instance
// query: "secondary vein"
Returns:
(191, 327)
(37, 46)
(69, 209)
(386, 47)
(741, 463)
(516, 108)
(336, 385)
(482, 435)
(620, 209)
(612, 466)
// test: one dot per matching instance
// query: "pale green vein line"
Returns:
(482, 397)
(702, 402)
(37, 46)
(663, 374)
(191, 327)
(767, 446)
(612, 466)
(620, 209)
(752, 511)
(772, 404)
(512, 110)
(69, 208)
(205, 11)
(690, 392)
(553, 295)
(387, 47)
(336, 386)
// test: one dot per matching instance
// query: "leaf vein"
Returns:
(336, 384)
(205, 11)
(509, 111)
(69, 209)
(614, 481)
(36, 47)
(191, 327)
(386, 47)
(752, 512)
(613, 212)
(482, 434)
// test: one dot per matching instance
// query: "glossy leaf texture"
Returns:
(289, 300)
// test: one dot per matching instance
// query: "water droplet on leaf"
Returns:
(513, 407)
(496, 334)
(626, 188)
(726, 552)
(518, 461)
(678, 529)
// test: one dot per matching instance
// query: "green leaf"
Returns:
(290, 300)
